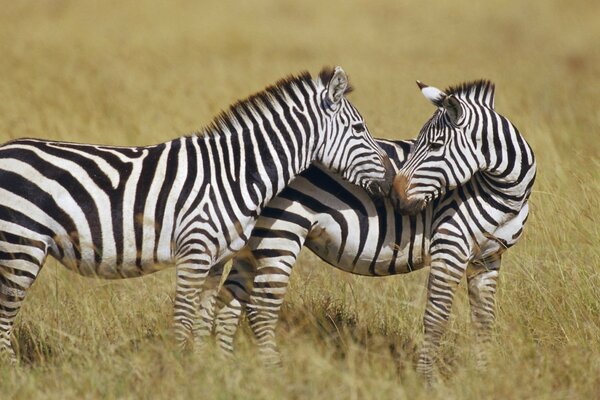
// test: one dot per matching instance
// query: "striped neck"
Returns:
(265, 140)
(510, 167)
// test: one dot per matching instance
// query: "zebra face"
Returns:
(348, 148)
(444, 155)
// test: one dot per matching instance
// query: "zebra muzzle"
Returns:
(390, 175)
(400, 199)
(381, 188)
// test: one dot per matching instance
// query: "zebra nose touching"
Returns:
(400, 199)
(390, 174)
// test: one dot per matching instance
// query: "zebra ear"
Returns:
(453, 108)
(337, 86)
(434, 95)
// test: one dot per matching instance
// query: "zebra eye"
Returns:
(358, 128)
(436, 145)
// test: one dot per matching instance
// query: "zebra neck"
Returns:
(256, 160)
(512, 170)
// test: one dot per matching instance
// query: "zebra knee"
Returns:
(482, 291)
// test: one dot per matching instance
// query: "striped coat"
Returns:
(459, 222)
(117, 212)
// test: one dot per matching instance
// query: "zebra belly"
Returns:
(387, 262)
(394, 244)
(113, 266)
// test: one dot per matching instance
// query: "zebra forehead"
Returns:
(481, 91)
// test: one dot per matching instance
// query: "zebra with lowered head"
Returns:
(120, 212)
(460, 199)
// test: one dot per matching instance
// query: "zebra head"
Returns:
(447, 151)
(348, 147)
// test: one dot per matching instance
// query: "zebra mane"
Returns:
(480, 91)
(283, 88)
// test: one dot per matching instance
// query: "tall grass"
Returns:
(139, 73)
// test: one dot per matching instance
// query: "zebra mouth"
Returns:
(378, 189)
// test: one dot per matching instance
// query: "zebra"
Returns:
(122, 212)
(460, 199)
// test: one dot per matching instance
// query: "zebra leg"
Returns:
(190, 278)
(20, 262)
(204, 321)
(232, 300)
(444, 277)
(270, 287)
(482, 279)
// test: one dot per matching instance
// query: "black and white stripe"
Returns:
(116, 212)
(462, 215)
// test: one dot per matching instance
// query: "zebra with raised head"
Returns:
(120, 212)
(460, 199)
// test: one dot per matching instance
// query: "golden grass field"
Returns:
(139, 73)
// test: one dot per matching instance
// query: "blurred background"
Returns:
(132, 73)
(111, 69)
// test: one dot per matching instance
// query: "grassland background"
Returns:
(131, 73)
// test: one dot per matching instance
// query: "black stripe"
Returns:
(147, 174)
(165, 190)
(265, 233)
(21, 187)
(381, 212)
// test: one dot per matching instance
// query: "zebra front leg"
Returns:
(482, 279)
(232, 300)
(204, 320)
(444, 277)
(189, 282)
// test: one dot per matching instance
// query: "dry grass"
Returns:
(136, 73)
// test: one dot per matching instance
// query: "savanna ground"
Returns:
(139, 73)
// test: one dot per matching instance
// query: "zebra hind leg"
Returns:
(270, 287)
(204, 320)
(444, 278)
(232, 300)
(482, 279)
(20, 262)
